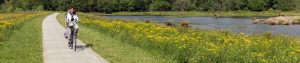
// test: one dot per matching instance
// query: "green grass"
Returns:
(24, 45)
(221, 13)
(201, 46)
(114, 50)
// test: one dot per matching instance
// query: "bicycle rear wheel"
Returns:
(75, 42)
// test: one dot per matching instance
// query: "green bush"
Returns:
(285, 5)
(182, 5)
(40, 8)
(109, 6)
(10, 9)
(160, 5)
(256, 5)
(18, 10)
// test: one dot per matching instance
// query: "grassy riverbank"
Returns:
(221, 13)
(113, 49)
(23, 43)
(199, 46)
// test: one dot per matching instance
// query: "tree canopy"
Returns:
(109, 6)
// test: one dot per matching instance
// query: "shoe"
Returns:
(65, 35)
(69, 44)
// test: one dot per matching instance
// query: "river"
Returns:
(235, 24)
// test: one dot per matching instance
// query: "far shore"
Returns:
(208, 13)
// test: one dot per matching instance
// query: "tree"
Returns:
(256, 5)
(40, 8)
(160, 5)
(109, 6)
(52, 4)
(139, 5)
(297, 5)
(285, 5)
(2, 1)
(232, 5)
(200, 5)
(182, 5)
(214, 5)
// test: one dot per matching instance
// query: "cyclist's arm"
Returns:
(76, 17)
(68, 18)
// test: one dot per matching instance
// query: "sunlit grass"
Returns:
(22, 40)
(194, 46)
(113, 49)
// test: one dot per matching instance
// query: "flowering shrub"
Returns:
(12, 21)
(200, 46)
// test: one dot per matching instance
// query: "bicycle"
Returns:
(73, 35)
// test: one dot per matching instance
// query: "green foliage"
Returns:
(160, 5)
(233, 5)
(285, 5)
(10, 9)
(109, 6)
(40, 8)
(18, 9)
(181, 5)
(256, 5)
(19, 5)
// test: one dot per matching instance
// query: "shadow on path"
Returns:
(83, 47)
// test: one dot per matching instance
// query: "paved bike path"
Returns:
(56, 49)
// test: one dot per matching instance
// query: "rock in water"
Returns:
(280, 20)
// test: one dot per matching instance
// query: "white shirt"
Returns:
(69, 17)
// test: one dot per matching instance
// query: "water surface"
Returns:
(235, 24)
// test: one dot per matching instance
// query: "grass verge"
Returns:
(24, 45)
(200, 46)
(114, 50)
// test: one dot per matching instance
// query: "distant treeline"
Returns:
(149, 5)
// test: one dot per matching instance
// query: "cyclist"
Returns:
(71, 16)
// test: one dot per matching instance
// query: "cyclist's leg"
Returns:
(76, 28)
(67, 31)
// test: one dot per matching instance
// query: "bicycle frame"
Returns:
(73, 36)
